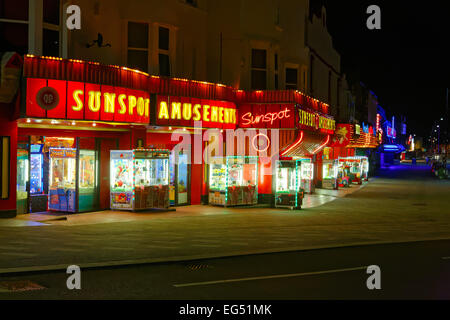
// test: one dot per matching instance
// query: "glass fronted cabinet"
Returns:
(62, 189)
(329, 174)
(87, 180)
(306, 175)
(288, 193)
(233, 181)
(22, 180)
(139, 179)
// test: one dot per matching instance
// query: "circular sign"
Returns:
(47, 98)
(259, 145)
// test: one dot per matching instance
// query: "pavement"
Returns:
(404, 203)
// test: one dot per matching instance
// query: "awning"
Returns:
(307, 144)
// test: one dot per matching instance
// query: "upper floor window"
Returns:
(51, 27)
(14, 26)
(259, 69)
(164, 51)
(137, 51)
(292, 78)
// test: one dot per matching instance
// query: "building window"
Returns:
(259, 69)
(291, 78)
(51, 27)
(276, 71)
(14, 26)
(163, 51)
(137, 52)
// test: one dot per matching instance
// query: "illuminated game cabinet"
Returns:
(36, 169)
(329, 174)
(306, 175)
(288, 193)
(233, 181)
(355, 168)
(62, 189)
(139, 179)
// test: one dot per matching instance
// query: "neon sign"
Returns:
(391, 132)
(249, 119)
(184, 111)
(60, 99)
(315, 120)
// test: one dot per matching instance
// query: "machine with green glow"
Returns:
(233, 181)
(288, 191)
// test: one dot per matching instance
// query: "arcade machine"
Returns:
(87, 180)
(139, 179)
(233, 181)
(356, 168)
(342, 174)
(365, 168)
(38, 198)
(22, 181)
(330, 174)
(288, 193)
(62, 181)
(306, 175)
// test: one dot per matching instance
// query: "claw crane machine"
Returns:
(62, 185)
(288, 192)
(233, 181)
(139, 179)
(306, 174)
(330, 174)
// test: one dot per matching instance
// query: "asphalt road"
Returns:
(418, 270)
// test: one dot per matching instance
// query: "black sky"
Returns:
(406, 63)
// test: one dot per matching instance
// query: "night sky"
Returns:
(406, 63)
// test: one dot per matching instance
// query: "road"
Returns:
(419, 270)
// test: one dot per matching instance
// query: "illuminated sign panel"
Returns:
(316, 121)
(60, 99)
(391, 133)
(184, 111)
(272, 116)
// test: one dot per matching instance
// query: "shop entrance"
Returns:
(180, 179)
(62, 174)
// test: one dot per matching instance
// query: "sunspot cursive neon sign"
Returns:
(269, 117)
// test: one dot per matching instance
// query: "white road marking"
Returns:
(289, 275)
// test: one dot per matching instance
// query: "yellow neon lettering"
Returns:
(197, 114)
(206, 113)
(94, 100)
(147, 107)
(221, 114)
(187, 111)
(140, 106)
(163, 110)
(176, 110)
(226, 115)
(109, 101)
(131, 104)
(214, 114)
(123, 107)
(78, 101)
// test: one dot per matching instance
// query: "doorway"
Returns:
(180, 179)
